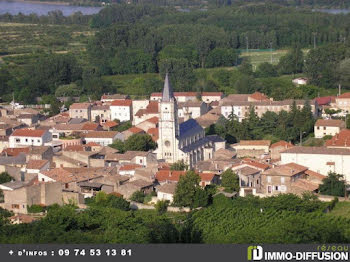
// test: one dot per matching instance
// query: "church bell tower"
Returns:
(168, 125)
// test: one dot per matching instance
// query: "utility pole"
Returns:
(301, 138)
(339, 89)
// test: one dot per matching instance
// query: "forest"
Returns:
(203, 51)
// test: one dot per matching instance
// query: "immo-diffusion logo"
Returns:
(255, 252)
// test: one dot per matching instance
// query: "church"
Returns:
(182, 141)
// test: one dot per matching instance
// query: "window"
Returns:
(282, 180)
(276, 188)
(269, 179)
(257, 181)
(18, 140)
(26, 139)
(66, 185)
(324, 128)
(15, 206)
(38, 141)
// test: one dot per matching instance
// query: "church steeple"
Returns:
(168, 94)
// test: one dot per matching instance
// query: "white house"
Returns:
(128, 170)
(209, 97)
(29, 137)
(166, 192)
(328, 127)
(320, 159)
(103, 138)
(121, 110)
(191, 109)
(300, 81)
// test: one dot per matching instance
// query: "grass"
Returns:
(257, 57)
(341, 209)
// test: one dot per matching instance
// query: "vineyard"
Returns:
(283, 219)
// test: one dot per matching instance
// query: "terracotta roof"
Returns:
(167, 175)
(67, 175)
(153, 120)
(345, 95)
(60, 175)
(15, 151)
(330, 122)
(326, 100)
(254, 143)
(101, 134)
(315, 174)
(126, 102)
(135, 130)
(110, 124)
(22, 218)
(190, 103)
(212, 94)
(80, 106)
(317, 150)
(340, 140)
(92, 144)
(90, 126)
(207, 176)
(290, 169)
(151, 108)
(282, 143)
(129, 167)
(254, 163)
(306, 185)
(247, 171)
(259, 96)
(154, 133)
(36, 164)
(29, 132)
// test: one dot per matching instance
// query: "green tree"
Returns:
(333, 185)
(188, 192)
(292, 62)
(162, 206)
(266, 70)
(138, 196)
(5, 177)
(140, 142)
(230, 181)
(179, 165)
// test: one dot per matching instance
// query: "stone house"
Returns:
(80, 110)
(278, 147)
(328, 127)
(252, 148)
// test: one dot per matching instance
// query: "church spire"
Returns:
(168, 93)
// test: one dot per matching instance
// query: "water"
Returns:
(42, 9)
(333, 11)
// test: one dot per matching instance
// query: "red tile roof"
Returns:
(315, 174)
(167, 175)
(154, 120)
(80, 106)
(330, 122)
(101, 134)
(110, 124)
(345, 95)
(36, 164)
(154, 133)
(151, 108)
(29, 132)
(135, 130)
(212, 94)
(207, 176)
(340, 140)
(15, 151)
(126, 102)
(75, 148)
(254, 163)
(325, 100)
(259, 96)
(92, 144)
(282, 143)
(90, 126)
(129, 167)
(255, 142)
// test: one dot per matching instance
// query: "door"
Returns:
(269, 189)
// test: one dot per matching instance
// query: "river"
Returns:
(27, 8)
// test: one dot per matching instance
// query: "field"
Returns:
(19, 43)
(257, 57)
